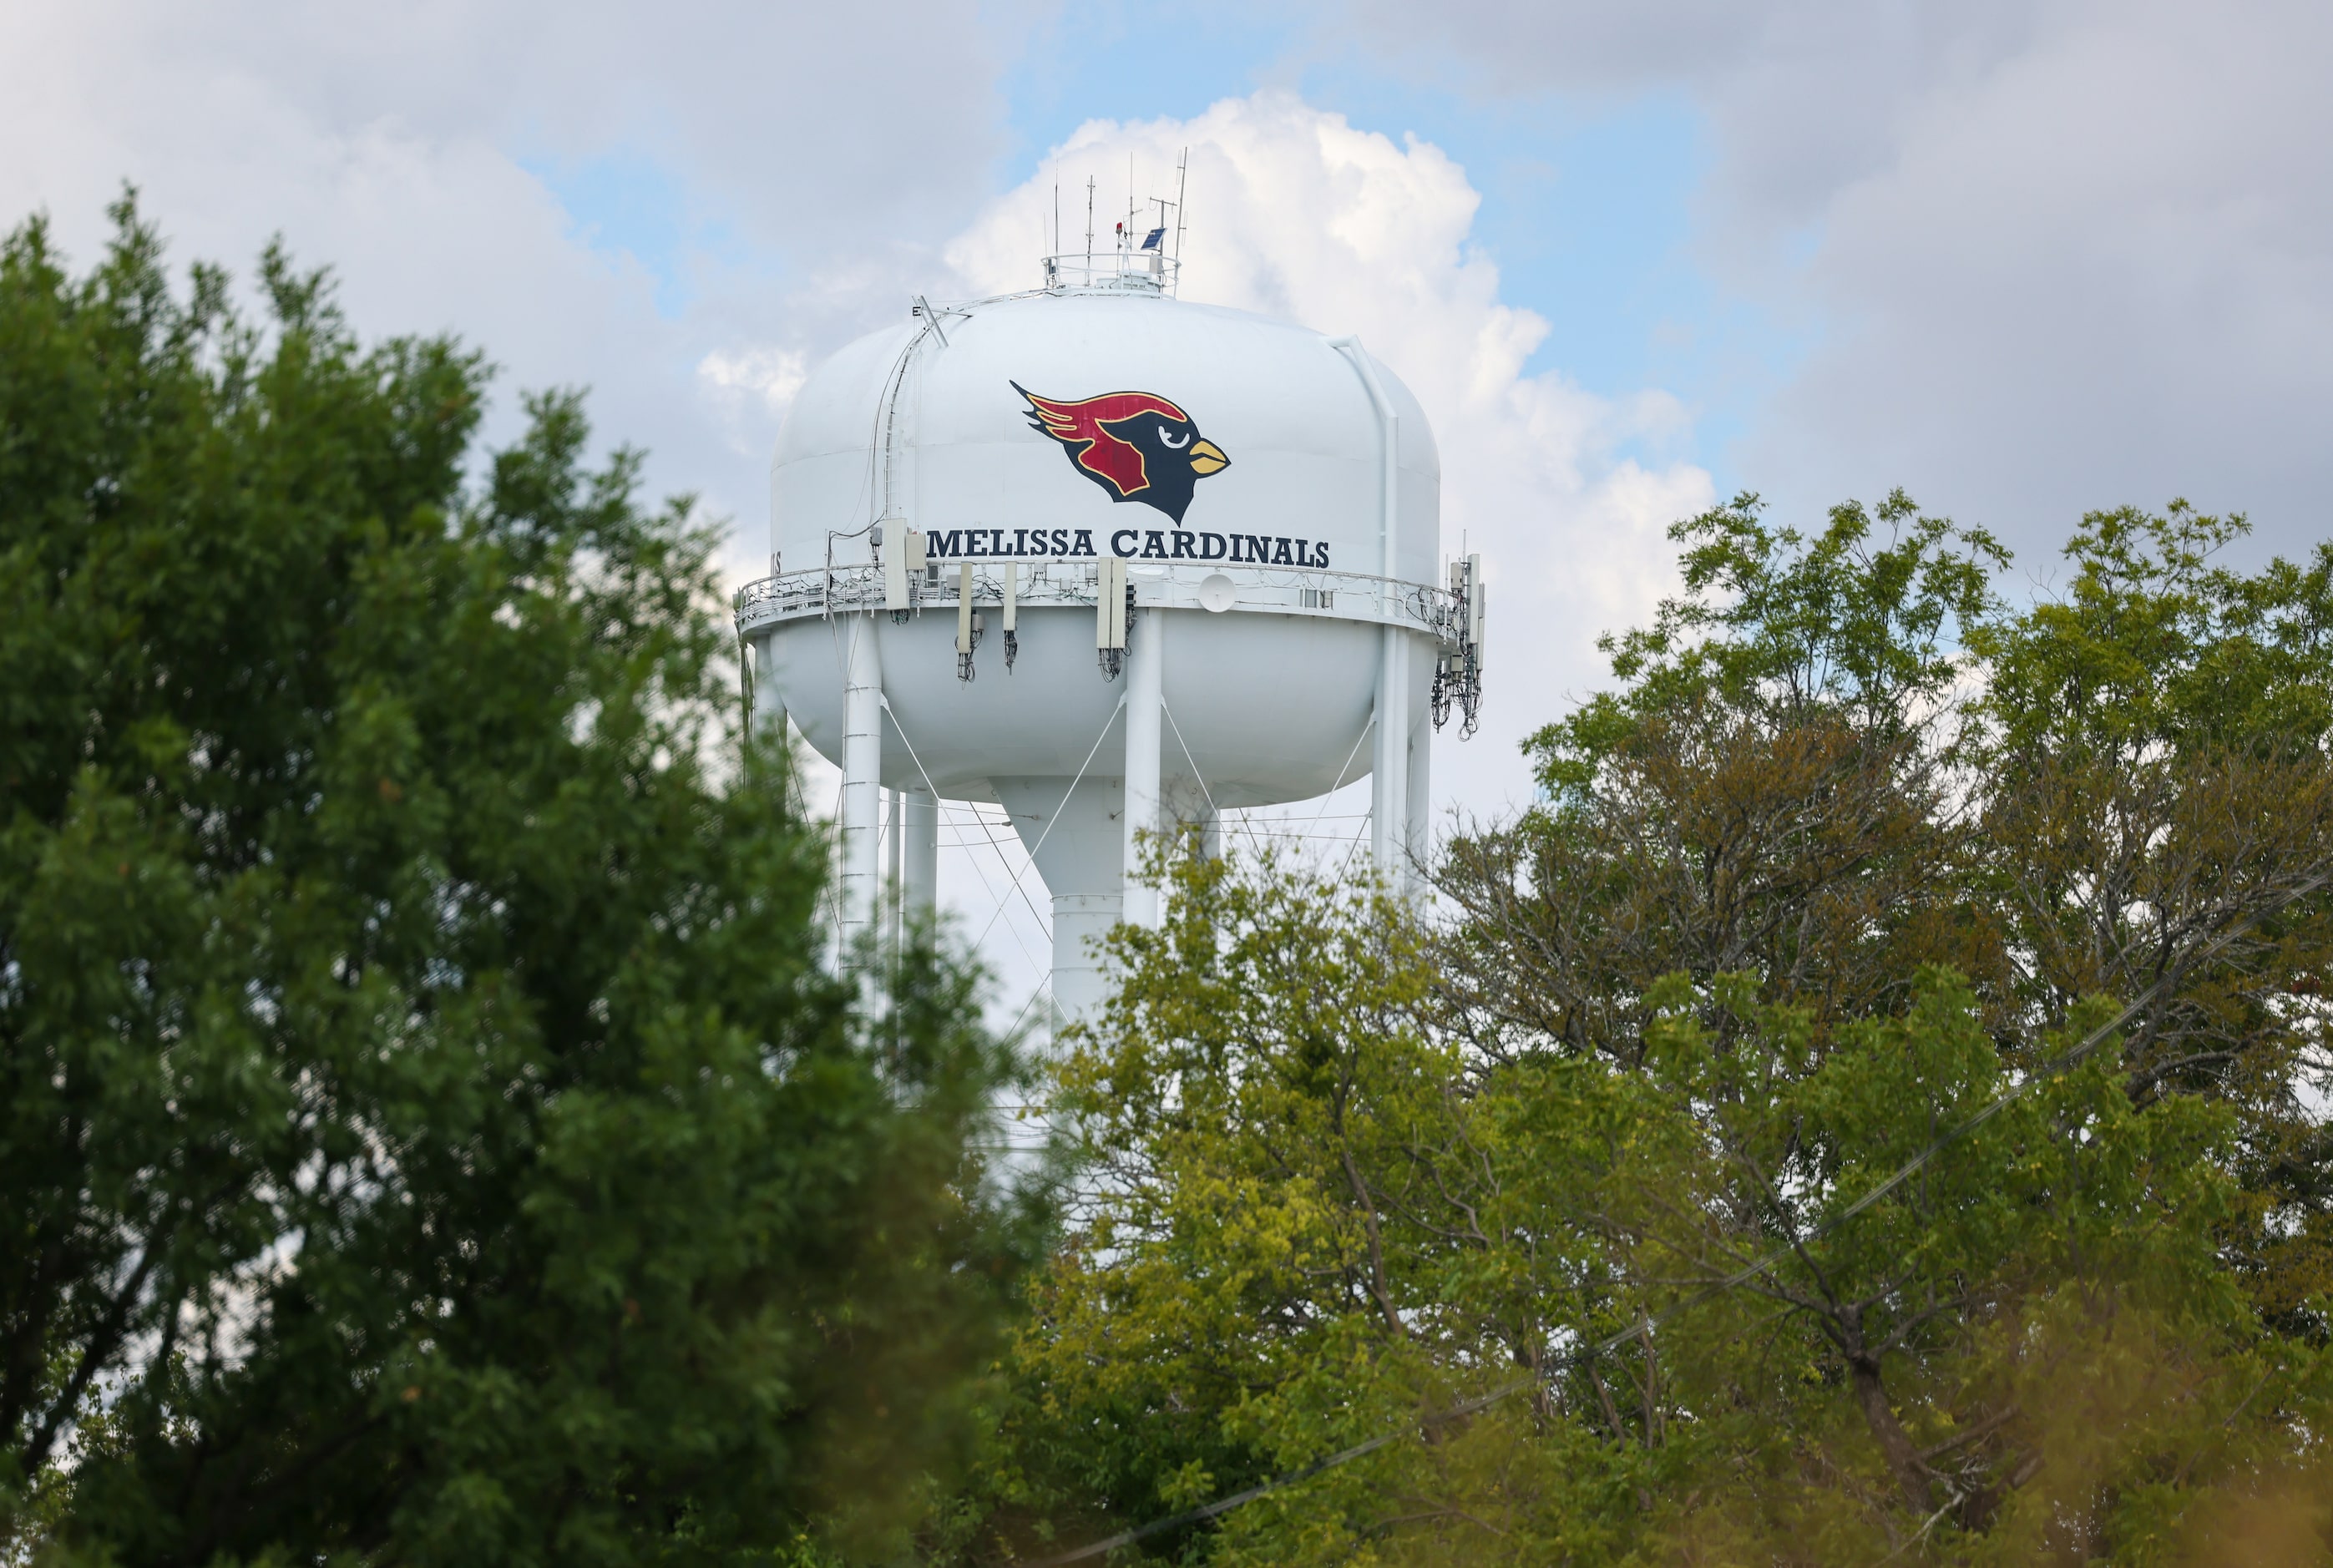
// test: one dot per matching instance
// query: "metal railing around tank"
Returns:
(1137, 270)
(1335, 595)
(1446, 615)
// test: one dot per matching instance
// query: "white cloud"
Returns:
(808, 161)
(2098, 272)
(407, 147)
(1296, 213)
(2061, 255)
(753, 387)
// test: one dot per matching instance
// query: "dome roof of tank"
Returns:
(941, 424)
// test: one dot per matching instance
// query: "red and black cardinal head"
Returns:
(1137, 446)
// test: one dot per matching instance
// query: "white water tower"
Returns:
(1113, 561)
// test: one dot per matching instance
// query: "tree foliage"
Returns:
(1832, 762)
(1575, 1191)
(426, 1131)
(1315, 1216)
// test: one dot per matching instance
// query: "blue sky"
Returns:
(1956, 244)
(1587, 200)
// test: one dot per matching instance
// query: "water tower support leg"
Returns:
(923, 855)
(1389, 760)
(1145, 687)
(862, 772)
(1417, 784)
(895, 884)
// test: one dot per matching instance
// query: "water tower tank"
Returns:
(1113, 561)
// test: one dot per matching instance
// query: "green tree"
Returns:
(1852, 849)
(1834, 759)
(426, 1131)
(1300, 1226)
(1315, 1215)
(2158, 752)
(2035, 1332)
(1775, 784)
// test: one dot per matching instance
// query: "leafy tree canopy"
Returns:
(426, 1131)
(1853, 851)
(1316, 1217)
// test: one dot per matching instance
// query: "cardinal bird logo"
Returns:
(1137, 446)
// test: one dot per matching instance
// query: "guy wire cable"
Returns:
(886, 700)
(1644, 1325)
(1058, 809)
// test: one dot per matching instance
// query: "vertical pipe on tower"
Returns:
(1417, 774)
(894, 884)
(1389, 753)
(920, 881)
(1389, 773)
(1144, 689)
(862, 773)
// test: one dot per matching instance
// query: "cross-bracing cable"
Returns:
(1321, 815)
(1057, 812)
(1243, 823)
(1643, 1327)
(885, 698)
(1246, 822)
(1205, 794)
(1042, 987)
(988, 840)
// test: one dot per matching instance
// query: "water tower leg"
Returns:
(895, 885)
(922, 877)
(1389, 760)
(1145, 687)
(862, 773)
(1417, 782)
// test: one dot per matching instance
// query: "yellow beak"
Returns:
(1206, 459)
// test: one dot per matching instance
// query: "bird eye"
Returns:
(1169, 440)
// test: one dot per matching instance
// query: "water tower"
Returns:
(1113, 561)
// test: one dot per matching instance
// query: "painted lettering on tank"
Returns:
(1146, 543)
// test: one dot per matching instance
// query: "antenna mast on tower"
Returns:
(1182, 178)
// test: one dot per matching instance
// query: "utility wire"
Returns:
(1644, 1325)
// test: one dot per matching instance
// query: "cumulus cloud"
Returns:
(1294, 212)
(2060, 255)
(753, 387)
(423, 152)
